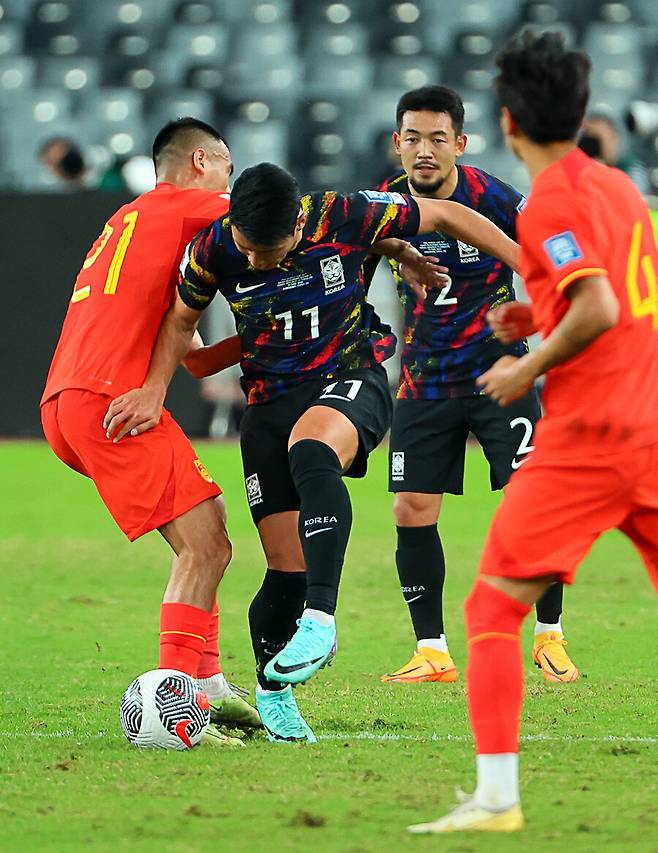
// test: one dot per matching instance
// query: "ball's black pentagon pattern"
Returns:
(131, 711)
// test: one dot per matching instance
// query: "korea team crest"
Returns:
(254, 494)
(332, 273)
(397, 466)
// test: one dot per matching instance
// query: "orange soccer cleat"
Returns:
(550, 656)
(426, 665)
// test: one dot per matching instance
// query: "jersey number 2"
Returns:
(112, 280)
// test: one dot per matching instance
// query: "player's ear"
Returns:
(460, 144)
(396, 141)
(302, 219)
(508, 123)
(199, 160)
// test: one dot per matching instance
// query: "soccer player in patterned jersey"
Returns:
(317, 395)
(154, 481)
(589, 259)
(447, 344)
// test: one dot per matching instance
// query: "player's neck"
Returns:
(446, 189)
(540, 157)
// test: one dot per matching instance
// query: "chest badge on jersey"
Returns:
(467, 254)
(332, 273)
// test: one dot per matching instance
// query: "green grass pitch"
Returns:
(79, 620)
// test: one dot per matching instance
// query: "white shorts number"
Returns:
(442, 298)
(355, 387)
(524, 447)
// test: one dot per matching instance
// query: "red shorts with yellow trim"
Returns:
(554, 510)
(146, 480)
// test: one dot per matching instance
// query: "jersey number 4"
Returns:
(112, 279)
(641, 306)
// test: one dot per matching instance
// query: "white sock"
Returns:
(498, 781)
(544, 627)
(439, 644)
(318, 616)
(263, 692)
(215, 687)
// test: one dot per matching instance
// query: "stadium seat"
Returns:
(254, 143)
(74, 74)
(11, 38)
(103, 23)
(407, 72)
(164, 105)
(260, 46)
(17, 74)
(337, 42)
(15, 10)
(199, 42)
(353, 74)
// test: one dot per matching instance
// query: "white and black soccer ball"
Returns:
(164, 709)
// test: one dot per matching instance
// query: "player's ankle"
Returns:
(439, 643)
(498, 781)
(320, 616)
(546, 627)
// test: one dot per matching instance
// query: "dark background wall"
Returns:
(43, 241)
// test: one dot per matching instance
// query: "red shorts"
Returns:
(553, 511)
(145, 480)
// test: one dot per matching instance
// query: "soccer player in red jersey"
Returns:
(589, 259)
(153, 481)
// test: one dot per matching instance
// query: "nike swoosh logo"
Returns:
(409, 600)
(556, 671)
(516, 463)
(241, 289)
(407, 671)
(284, 670)
(309, 533)
(181, 731)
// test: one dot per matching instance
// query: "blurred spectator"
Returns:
(601, 140)
(64, 158)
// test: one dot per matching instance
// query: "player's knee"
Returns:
(413, 509)
(310, 459)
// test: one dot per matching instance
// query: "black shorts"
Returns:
(362, 396)
(428, 441)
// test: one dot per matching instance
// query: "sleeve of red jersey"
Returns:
(373, 215)
(197, 284)
(558, 235)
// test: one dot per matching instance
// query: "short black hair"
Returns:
(174, 130)
(433, 99)
(265, 203)
(544, 85)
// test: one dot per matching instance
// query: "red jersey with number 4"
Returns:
(125, 287)
(586, 219)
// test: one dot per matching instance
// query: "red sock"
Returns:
(209, 664)
(495, 668)
(183, 631)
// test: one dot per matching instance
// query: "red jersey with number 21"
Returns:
(586, 219)
(125, 287)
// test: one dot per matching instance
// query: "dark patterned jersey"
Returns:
(308, 317)
(447, 341)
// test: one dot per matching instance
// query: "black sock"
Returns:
(549, 606)
(325, 519)
(422, 571)
(273, 616)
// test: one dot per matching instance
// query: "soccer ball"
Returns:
(164, 709)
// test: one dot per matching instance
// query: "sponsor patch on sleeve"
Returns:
(562, 249)
(384, 198)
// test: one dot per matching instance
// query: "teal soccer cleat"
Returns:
(281, 718)
(311, 647)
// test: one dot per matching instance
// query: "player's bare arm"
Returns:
(467, 225)
(512, 321)
(592, 311)
(140, 409)
(420, 271)
(202, 361)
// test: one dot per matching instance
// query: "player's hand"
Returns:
(507, 380)
(511, 322)
(133, 412)
(422, 272)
